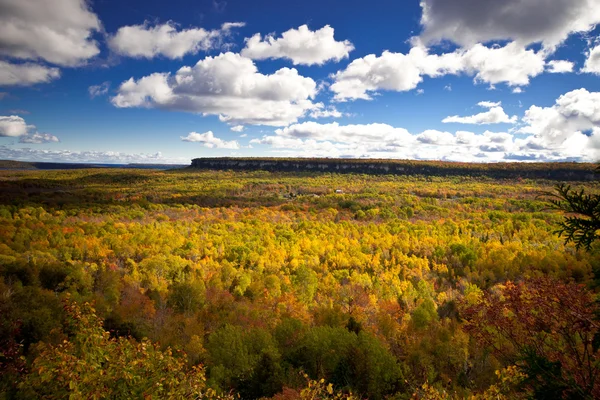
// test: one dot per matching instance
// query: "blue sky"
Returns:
(148, 81)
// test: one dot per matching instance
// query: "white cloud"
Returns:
(227, 85)
(108, 157)
(38, 138)
(301, 46)
(560, 66)
(489, 104)
(208, 139)
(231, 25)
(592, 63)
(148, 91)
(13, 126)
(467, 22)
(99, 90)
(390, 71)
(146, 41)
(26, 74)
(379, 133)
(517, 90)
(571, 125)
(57, 31)
(312, 139)
(495, 115)
(325, 112)
(511, 64)
(439, 138)
(237, 128)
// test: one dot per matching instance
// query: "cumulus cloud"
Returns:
(237, 128)
(38, 138)
(592, 63)
(467, 22)
(390, 71)
(99, 90)
(208, 139)
(312, 139)
(560, 66)
(13, 126)
(227, 85)
(495, 115)
(26, 74)
(148, 41)
(57, 31)
(301, 46)
(511, 64)
(439, 138)
(105, 157)
(571, 125)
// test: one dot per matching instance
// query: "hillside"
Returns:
(26, 165)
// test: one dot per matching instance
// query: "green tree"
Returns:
(186, 297)
(582, 226)
(240, 357)
(92, 365)
(374, 372)
(324, 350)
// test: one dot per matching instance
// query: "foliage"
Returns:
(583, 225)
(90, 364)
(547, 328)
(262, 277)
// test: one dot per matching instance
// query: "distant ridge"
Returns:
(562, 171)
(27, 165)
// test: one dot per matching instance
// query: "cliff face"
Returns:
(552, 171)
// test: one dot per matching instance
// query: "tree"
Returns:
(548, 329)
(245, 360)
(186, 297)
(92, 365)
(582, 226)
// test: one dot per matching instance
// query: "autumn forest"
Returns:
(189, 283)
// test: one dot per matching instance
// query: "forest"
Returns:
(219, 284)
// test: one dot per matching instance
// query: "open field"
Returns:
(371, 283)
